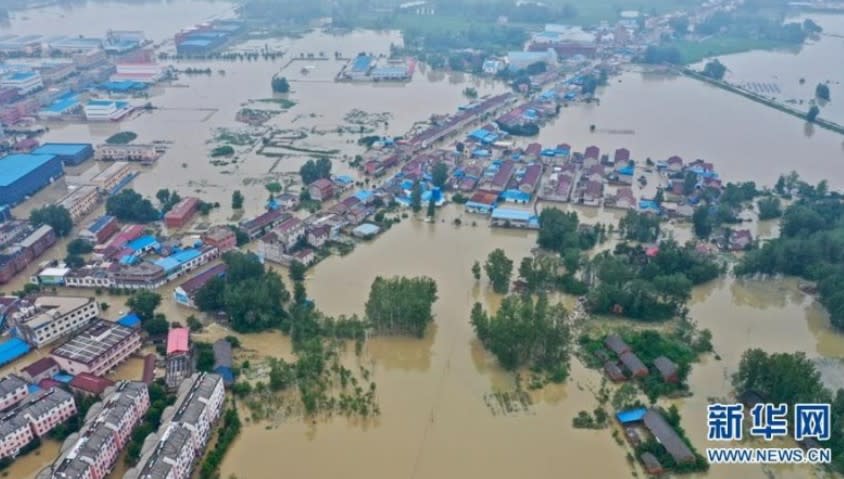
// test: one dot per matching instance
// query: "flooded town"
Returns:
(421, 239)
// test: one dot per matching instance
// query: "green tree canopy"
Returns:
(55, 216)
(130, 206)
(498, 269)
(314, 170)
(144, 303)
(401, 305)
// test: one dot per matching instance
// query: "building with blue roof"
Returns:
(631, 416)
(175, 261)
(143, 244)
(515, 196)
(25, 82)
(12, 349)
(25, 174)
(123, 86)
(71, 154)
(343, 180)
(365, 196)
(59, 107)
(513, 218)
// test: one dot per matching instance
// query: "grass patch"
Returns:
(282, 102)
(297, 149)
(122, 138)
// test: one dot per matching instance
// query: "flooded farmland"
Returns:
(437, 418)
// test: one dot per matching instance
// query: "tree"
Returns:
(659, 54)
(167, 199)
(813, 113)
(157, 326)
(315, 170)
(74, 261)
(300, 295)
(416, 197)
(194, 324)
(401, 305)
(130, 206)
(714, 69)
(641, 227)
(144, 302)
(79, 246)
(822, 91)
(297, 271)
(498, 269)
(524, 333)
(280, 85)
(431, 207)
(439, 174)
(237, 200)
(769, 208)
(702, 222)
(55, 216)
(559, 231)
(476, 270)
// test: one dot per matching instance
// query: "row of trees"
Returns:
(314, 170)
(130, 206)
(56, 216)
(401, 305)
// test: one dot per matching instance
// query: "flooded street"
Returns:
(434, 393)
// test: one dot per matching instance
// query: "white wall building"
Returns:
(52, 317)
(106, 109)
(25, 82)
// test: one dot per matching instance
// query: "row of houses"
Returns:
(33, 416)
(634, 366)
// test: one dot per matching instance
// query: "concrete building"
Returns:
(220, 237)
(16, 257)
(89, 385)
(44, 368)
(223, 363)
(140, 153)
(100, 230)
(106, 109)
(98, 348)
(179, 362)
(181, 213)
(112, 178)
(23, 175)
(71, 154)
(25, 82)
(50, 318)
(35, 417)
(12, 391)
(81, 201)
(321, 189)
(170, 452)
(259, 225)
(92, 453)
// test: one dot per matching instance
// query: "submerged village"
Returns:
(155, 332)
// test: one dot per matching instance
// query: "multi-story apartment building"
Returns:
(184, 430)
(97, 349)
(37, 416)
(117, 174)
(81, 201)
(92, 453)
(12, 391)
(49, 318)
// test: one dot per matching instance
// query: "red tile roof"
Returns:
(484, 197)
(531, 175)
(90, 383)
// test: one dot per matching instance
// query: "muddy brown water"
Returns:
(435, 421)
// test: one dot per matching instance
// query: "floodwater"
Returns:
(784, 68)
(159, 19)
(435, 421)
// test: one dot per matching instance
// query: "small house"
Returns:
(667, 369)
(88, 384)
(615, 344)
(44, 368)
(613, 372)
(740, 240)
(319, 235)
(321, 189)
(675, 164)
(633, 364)
(651, 464)
(621, 156)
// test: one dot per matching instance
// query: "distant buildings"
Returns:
(113, 177)
(52, 317)
(132, 152)
(71, 154)
(92, 453)
(106, 109)
(171, 452)
(97, 349)
(25, 82)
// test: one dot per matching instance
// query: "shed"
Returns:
(366, 230)
(69, 153)
(177, 341)
(131, 320)
(651, 464)
(633, 364)
(615, 344)
(667, 369)
(223, 361)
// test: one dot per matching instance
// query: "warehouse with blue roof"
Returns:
(23, 175)
(12, 349)
(71, 154)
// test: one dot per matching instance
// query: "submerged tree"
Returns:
(401, 305)
(56, 216)
(498, 269)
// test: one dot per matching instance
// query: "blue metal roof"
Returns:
(62, 149)
(63, 378)
(631, 415)
(99, 223)
(364, 195)
(20, 76)
(515, 195)
(15, 167)
(141, 243)
(625, 170)
(130, 320)
(508, 214)
(177, 259)
(361, 63)
(12, 349)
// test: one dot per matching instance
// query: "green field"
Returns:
(694, 52)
